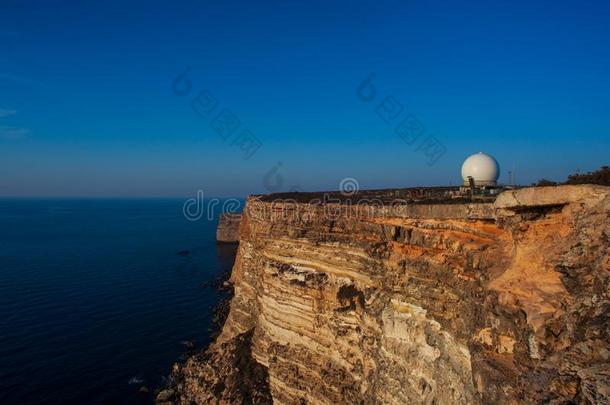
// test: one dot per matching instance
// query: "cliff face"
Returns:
(506, 302)
(228, 228)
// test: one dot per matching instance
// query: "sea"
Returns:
(99, 297)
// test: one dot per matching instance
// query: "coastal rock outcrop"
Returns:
(500, 302)
(228, 228)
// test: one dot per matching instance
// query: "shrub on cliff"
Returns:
(600, 176)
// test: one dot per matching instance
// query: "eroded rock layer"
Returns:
(506, 302)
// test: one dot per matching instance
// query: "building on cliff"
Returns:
(480, 173)
(482, 168)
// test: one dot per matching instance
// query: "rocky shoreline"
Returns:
(221, 310)
(168, 395)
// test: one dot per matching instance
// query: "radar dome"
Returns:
(483, 168)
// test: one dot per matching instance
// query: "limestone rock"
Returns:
(504, 303)
(228, 228)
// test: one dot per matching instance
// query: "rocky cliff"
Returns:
(501, 302)
(228, 228)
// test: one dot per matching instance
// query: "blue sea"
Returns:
(96, 302)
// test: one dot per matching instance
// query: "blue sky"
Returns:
(87, 106)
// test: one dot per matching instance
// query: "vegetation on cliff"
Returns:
(600, 176)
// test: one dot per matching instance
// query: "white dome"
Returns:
(483, 168)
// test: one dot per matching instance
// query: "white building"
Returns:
(482, 168)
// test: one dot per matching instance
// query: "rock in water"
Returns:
(165, 397)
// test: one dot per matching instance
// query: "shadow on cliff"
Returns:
(225, 373)
(249, 380)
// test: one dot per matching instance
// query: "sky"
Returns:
(162, 99)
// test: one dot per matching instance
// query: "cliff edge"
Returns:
(494, 302)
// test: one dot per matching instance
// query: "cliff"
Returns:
(228, 228)
(494, 302)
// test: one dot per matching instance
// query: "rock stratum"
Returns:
(503, 302)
